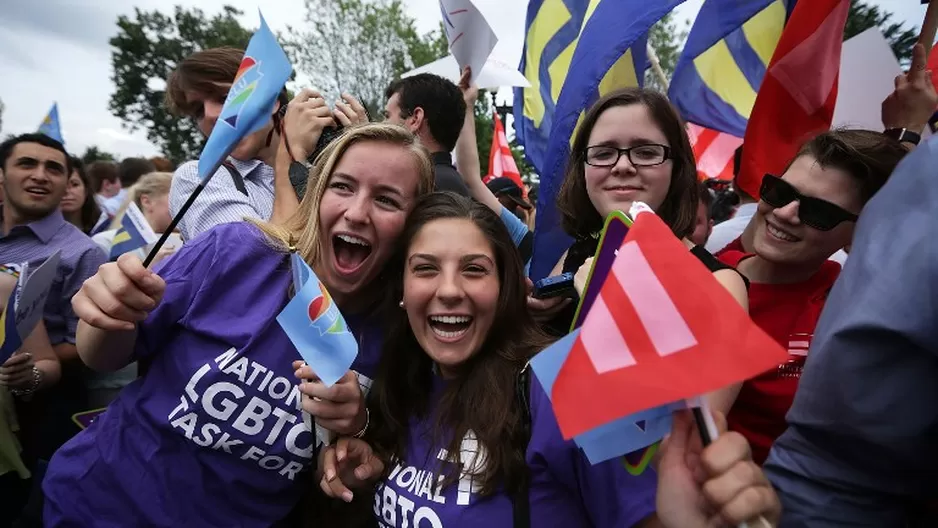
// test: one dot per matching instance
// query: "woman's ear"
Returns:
(145, 202)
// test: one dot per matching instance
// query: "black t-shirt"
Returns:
(447, 178)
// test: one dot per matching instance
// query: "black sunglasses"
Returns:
(814, 212)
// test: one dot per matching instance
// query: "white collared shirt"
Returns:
(221, 202)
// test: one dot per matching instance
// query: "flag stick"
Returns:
(929, 25)
(656, 67)
(708, 433)
(172, 225)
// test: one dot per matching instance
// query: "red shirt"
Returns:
(789, 314)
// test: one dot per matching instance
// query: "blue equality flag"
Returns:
(50, 125)
(575, 52)
(134, 233)
(263, 72)
(724, 60)
(317, 329)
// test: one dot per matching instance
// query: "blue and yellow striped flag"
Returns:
(575, 51)
(724, 60)
(134, 232)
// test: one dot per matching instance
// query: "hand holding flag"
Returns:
(249, 106)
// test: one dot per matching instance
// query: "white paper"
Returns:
(868, 69)
(470, 37)
(495, 73)
(35, 291)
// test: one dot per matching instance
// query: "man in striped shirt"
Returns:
(244, 186)
(34, 177)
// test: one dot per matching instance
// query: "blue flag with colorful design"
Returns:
(250, 103)
(50, 125)
(724, 60)
(575, 52)
(317, 329)
(134, 233)
(10, 340)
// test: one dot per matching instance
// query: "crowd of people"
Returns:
(212, 420)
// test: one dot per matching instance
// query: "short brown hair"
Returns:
(100, 172)
(869, 157)
(162, 164)
(679, 209)
(202, 72)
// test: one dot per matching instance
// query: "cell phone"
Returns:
(556, 286)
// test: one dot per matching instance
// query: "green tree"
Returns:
(863, 16)
(93, 153)
(359, 46)
(667, 42)
(145, 51)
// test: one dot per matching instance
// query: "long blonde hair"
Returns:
(152, 184)
(301, 231)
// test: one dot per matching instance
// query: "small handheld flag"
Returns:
(317, 329)
(661, 330)
(50, 124)
(134, 233)
(10, 340)
(25, 306)
(264, 71)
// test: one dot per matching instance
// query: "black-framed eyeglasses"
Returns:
(813, 212)
(639, 156)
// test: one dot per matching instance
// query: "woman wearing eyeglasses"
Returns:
(803, 218)
(630, 147)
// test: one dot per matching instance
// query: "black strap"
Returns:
(520, 499)
(236, 176)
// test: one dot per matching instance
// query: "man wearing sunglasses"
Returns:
(804, 216)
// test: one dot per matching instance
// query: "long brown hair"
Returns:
(90, 213)
(579, 215)
(482, 398)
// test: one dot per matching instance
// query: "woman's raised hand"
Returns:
(119, 295)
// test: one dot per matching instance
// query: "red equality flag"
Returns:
(797, 96)
(501, 162)
(714, 152)
(661, 330)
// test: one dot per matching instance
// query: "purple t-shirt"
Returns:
(214, 434)
(565, 489)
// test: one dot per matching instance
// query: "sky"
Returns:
(57, 50)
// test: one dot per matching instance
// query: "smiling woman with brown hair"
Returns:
(467, 440)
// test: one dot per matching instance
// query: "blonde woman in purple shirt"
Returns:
(467, 442)
(213, 435)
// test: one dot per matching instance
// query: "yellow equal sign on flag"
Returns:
(724, 60)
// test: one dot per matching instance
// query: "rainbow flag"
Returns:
(250, 103)
(316, 327)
